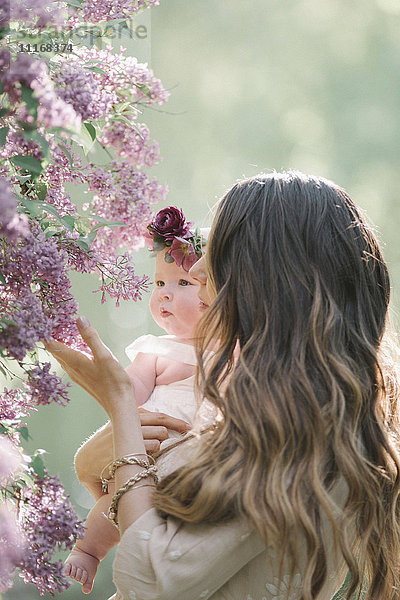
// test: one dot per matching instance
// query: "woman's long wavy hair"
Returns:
(302, 288)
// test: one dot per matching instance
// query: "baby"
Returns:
(162, 368)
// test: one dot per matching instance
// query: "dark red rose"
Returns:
(169, 223)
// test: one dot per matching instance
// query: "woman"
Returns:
(297, 480)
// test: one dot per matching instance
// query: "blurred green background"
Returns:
(256, 86)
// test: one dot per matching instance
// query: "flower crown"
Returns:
(169, 229)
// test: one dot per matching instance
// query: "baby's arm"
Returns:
(142, 373)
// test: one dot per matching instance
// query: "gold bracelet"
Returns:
(130, 459)
(113, 510)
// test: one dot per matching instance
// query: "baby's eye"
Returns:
(184, 282)
(160, 283)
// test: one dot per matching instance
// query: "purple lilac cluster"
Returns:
(127, 199)
(12, 225)
(46, 387)
(62, 169)
(123, 75)
(16, 144)
(120, 281)
(26, 325)
(51, 310)
(50, 524)
(79, 87)
(36, 13)
(53, 111)
(34, 259)
(105, 10)
(131, 143)
(15, 405)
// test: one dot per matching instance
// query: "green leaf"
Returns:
(91, 236)
(84, 139)
(91, 130)
(68, 221)
(29, 98)
(23, 178)
(75, 3)
(2, 279)
(31, 207)
(144, 89)
(104, 223)
(24, 433)
(3, 111)
(82, 244)
(96, 70)
(67, 154)
(41, 191)
(60, 130)
(29, 163)
(50, 209)
(38, 466)
(82, 225)
(3, 135)
(50, 231)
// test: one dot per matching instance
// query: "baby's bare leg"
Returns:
(100, 536)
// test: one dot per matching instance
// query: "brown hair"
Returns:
(302, 286)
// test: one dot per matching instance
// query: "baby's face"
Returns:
(174, 303)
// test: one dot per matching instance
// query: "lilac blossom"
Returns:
(130, 202)
(53, 111)
(38, 13)
(26, 325)
(46, 387)
(123, 75)
(12, 225)
(35, 259)
(79, 87)
(50, 524)
(105, 10)
(24, 68)
(131, 143)
(119, 280)
(15, 405)
(11, 546)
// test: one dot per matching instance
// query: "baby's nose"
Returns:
(166, 292)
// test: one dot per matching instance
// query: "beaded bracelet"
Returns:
(130, 459)
(113, 510)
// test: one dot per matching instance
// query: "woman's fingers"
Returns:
(160, 422)
(92, 338)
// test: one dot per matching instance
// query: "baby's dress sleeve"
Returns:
(165, 559)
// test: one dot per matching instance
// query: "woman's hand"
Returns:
(97, 451)
(102, 376)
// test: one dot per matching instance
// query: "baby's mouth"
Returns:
(165, 313)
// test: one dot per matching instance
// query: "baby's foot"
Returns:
(82, 567)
